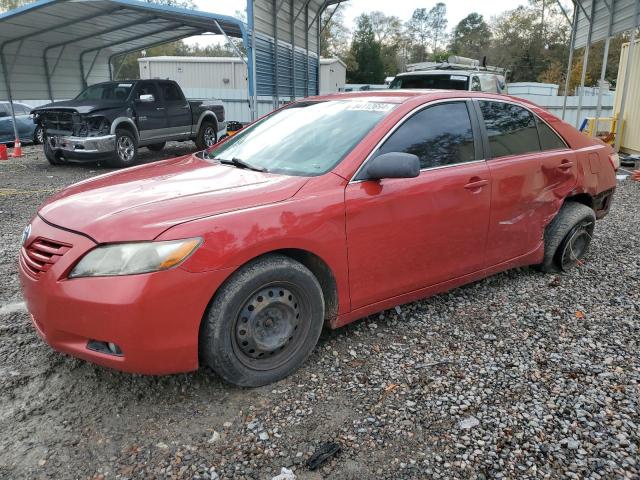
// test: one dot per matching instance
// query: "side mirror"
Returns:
(147, 98)
(391, 165)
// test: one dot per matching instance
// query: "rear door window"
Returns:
(439, 135)
(170, 92)
(511, 129)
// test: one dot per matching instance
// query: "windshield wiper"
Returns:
(238, 162)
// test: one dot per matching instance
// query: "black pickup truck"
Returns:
(110, 120)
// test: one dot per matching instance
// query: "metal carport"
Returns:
(51, 49)
(597, 20)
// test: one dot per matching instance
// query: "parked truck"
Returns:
(111, 120)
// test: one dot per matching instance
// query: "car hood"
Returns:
(140, 203)
(81, 106)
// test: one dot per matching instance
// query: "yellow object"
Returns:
(605, 130)
(630, 138)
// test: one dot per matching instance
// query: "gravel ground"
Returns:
(521, 375)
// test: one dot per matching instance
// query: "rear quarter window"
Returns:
(549, 140)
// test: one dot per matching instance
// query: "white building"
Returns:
(333, 75)
(226, 78)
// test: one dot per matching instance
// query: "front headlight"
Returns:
(133, 258)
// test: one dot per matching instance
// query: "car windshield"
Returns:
(305, 139)
(106, 91)
(448, 81)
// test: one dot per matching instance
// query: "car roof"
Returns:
(402, 96)
(447, 72)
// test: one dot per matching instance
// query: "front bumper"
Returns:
(83, 148)
(153, 318)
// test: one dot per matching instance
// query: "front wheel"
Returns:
(52, 157)
(126, 152)
(263, 323)
(38, 135)
(207, 135)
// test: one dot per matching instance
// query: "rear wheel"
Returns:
(156, 147)
(52, 157)
(263, 323)
(207, 135)
(126, 152)
(567, 238)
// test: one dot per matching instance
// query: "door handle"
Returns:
(565, 165)
(476, 184)
(160, 108)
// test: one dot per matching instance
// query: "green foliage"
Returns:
(471, 37)
(6, 5)
(366, 52)
(334, 37)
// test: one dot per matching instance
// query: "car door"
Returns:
(24, 121)
(178, 110)
(527, 181)
(151, 115)
(406, 234)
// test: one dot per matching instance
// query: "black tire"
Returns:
(126, 150)
(203, 138)
(38, 135)
(567, 237)
(52, 157)
(263, 322)
(156, 147)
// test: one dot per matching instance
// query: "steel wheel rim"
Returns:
(576, 245)
(271, 326)
(209, 136)
(40, 135)
(125, 148)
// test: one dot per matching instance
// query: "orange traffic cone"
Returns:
(3, 152)
(17, 149)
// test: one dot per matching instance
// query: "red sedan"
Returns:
(325, 211)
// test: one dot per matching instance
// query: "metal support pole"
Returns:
(293, 52)
(572, 43)
(330, 17)
(48, 78)
(230, 42)
(306, 49)
(253, 92)
(275, 57)
(625, 87)
(585, 61)
(562, 9)
(7, 83)
(603, 70)
(317, 92)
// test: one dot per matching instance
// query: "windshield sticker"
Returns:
(125, 84)
(370, 106)
(460, 78)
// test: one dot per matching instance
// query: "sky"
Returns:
(456, 9)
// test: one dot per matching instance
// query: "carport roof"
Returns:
(116, 25)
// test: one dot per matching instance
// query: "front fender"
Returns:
(314, 224)
(117, 122)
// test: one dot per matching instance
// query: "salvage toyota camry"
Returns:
(323, 212)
